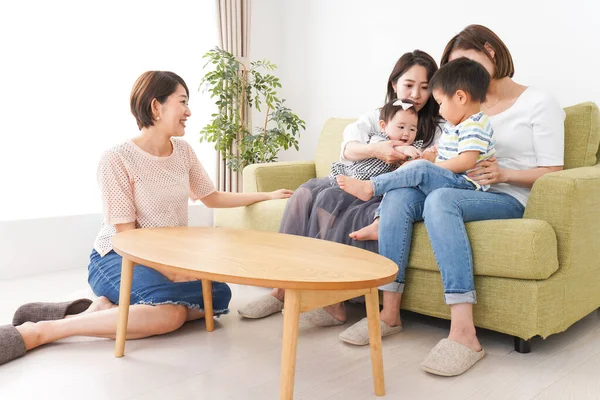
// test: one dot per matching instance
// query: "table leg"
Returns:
(372, 303)
(291, 318)
(208, 305)
(124, 299)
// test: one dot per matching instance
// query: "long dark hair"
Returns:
(429, 117)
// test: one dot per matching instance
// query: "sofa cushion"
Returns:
(582, 135)
(328, 149)
(515, 248)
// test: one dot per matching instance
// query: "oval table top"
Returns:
(256, 258)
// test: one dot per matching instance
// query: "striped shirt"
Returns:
(473, 134)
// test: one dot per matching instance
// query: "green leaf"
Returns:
(225, 82)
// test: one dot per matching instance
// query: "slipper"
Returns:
(36, 312)
(320, 317)
(358, 334)
(11, 344)
(261, 307)
(450, 358)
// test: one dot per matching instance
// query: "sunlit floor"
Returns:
(241, 359)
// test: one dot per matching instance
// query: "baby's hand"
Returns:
(429, 156)
(280, 194)
(430, 153)
(410, 151)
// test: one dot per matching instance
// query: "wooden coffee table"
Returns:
(314, 273)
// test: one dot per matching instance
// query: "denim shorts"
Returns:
(151, 287)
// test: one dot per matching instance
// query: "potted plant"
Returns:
(237, 90)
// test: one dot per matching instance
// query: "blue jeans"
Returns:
(420, 174)
(445, 212)
(151, 287)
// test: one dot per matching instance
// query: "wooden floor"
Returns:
(240, 360)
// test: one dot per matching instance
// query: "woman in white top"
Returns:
(529, 132)
(145, 183)
(320, 209)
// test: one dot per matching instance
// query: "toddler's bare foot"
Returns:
(370, 232)
(361, 189)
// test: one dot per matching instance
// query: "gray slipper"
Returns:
(11, 344)
(320, 317)
(261, 307)
(450, 358)
(358, 334)
(36, 312)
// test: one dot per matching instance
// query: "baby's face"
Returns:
(402, 127)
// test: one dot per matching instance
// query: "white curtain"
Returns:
(233, 30)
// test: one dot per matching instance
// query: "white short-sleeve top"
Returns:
(528, 135)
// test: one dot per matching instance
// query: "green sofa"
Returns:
(534, 276)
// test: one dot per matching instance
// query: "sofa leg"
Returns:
(521, 345)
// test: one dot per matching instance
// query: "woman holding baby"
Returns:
(529, 134)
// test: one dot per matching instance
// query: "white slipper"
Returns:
(262, 307)
(358, 334)
(450, 358)
(320, 317)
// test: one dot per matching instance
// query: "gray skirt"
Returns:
(320, 209)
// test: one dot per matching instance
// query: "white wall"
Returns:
(66, 74)
(66, 71)
(335, 55)
(36, 246)
(334, 58)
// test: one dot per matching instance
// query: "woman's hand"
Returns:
(385, 151)
(488, 172)
(177, 277)
(409, 151)
(279, 194)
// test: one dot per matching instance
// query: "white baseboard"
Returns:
(29, 247)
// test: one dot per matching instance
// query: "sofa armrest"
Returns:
(278, 175)
(261, 216)
(568, 201)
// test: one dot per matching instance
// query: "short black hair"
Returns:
(462, 74)
(388, 111)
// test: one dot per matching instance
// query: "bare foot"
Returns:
(468, 339)
(337, 311)
(361, 189)
(31, 335)
(370, 232)
(391, 319)
(101, 303)
(390, 313)
(278, 294)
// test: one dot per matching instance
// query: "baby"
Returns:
(459, 87)
(398, 121)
